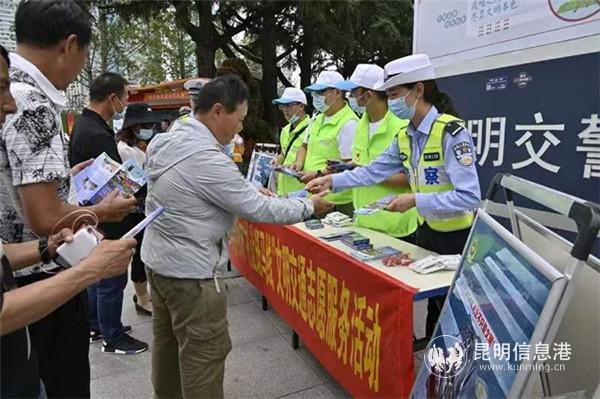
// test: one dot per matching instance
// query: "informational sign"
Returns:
(355, 320)
(539, 121)
(478, 28)
(491, 332)
(259, 169)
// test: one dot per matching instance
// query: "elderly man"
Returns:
(202, 192)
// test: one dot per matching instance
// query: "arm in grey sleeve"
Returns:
(387, 164)
(225, 187)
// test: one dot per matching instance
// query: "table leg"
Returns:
(265, 304)
(295, 340)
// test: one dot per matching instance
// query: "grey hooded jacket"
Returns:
(202, 192)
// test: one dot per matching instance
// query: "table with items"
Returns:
(348, 294)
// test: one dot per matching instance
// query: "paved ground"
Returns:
(262, 363)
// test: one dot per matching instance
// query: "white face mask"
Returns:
(293, 119)
(144, 134)
(319, 103)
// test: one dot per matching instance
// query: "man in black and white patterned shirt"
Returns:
(53, 37)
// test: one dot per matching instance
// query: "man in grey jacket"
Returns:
(202, 192)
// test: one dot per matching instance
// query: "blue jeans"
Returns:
(106, 306)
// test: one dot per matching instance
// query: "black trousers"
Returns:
(138, 272)
(62, 342)
(448, 243)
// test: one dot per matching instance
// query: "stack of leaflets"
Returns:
(433, 263)
(357, 241)
(375, 206)
(287, 171)
(339, 166)
(337, 219)
(373, 254)
(335, 236)
(313, 224)
(104, 176)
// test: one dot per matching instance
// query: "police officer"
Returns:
(193, 86)
(375, 132)
(330, 135)
(291, 103)
(438, 156)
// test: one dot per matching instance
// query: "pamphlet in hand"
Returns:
(142, 225)
(339, 166)
(104, 176)
(375, 206)
(287, 171)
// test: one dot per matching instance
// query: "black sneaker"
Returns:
(96, 336)
(125, 346)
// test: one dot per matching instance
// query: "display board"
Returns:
(492, 329)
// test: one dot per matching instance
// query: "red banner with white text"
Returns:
(356, 320)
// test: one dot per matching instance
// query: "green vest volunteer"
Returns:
(291, 103)
(289, 149)
(367, 147)
(375, 132)
(331, 134)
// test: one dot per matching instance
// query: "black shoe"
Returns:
(125, 346)
(96, 336)
(139, 308)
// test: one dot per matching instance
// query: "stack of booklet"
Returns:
(337, 219)
(104, 176)
(375, 206)
(357, 241)
(375, 253)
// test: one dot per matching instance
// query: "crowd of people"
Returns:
(392, 126)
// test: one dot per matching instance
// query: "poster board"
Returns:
(260, 167)
(492, 328)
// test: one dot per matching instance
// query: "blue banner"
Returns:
(539, 121)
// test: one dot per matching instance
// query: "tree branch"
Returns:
(282, 78)
(246, 53)
(284, 54)
(228, 51)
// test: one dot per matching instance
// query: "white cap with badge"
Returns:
(291, 95)
(409, 69)
(325, 80)
(194, 85)
(369, 76)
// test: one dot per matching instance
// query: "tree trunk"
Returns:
(305, 57)
(269, 65)
(104, 40)
(205, 60)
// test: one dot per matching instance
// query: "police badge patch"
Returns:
(463, 153)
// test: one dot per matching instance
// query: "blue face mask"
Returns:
(144, 134)
(359, 109)
(401, 109)
(293, 119)
(319, 103)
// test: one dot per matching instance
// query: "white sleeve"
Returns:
(125, 152)
(346, 139)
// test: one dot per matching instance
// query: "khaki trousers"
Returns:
(191, 340)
